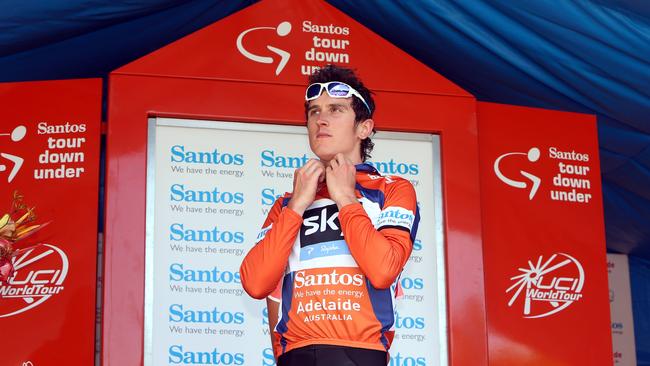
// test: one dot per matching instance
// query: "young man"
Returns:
(334, 248)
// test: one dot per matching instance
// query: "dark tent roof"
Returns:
(583, 56)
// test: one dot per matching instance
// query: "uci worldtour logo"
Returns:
(550, 287)
(283, 29)
(40, 273)
(532, 155)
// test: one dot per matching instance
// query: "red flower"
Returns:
(6, 269)
(6, 249)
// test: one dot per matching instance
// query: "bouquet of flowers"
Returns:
(15, 226)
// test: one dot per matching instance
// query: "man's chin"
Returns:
(324, 156)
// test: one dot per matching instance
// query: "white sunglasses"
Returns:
(335, 89)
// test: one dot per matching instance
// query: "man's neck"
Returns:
(356, 161)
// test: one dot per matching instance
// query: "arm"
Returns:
(264, 264)
(273, 308)
(382, 253)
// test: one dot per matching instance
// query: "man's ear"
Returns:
(364, 129)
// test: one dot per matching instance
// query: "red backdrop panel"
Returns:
(133, 98)
(543, 237)
(49, 152)
(235, 70)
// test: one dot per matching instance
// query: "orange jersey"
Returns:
(338, 270)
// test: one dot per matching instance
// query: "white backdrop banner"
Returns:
(210, 187)
(620, 301)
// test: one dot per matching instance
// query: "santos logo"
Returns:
(548, 286)
(269, 196)
(408, 322)
(178, 232)
(177, 355)
(281, 30)
(532, 156)
(179, 155)
(267, 357)
(392, 167)
(178, 272)
(40, 273)
(180, 314)
(178, 192)
(396, 216)
(401, 359)
(327, 279)
(270, 159)
(411, 283)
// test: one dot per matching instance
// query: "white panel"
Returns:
(620, 301)
(194, 301)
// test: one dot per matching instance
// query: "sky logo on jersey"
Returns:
(320, 233)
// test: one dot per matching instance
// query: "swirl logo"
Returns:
(16, 135)
(532, 155)
(281, 30)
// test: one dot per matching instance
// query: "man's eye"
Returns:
(313, 112)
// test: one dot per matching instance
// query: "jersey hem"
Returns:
(336, 342)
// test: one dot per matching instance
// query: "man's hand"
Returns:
(305, 184)
(340, 178)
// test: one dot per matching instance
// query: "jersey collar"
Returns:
(366, 168)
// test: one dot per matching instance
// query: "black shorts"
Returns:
(327, 355)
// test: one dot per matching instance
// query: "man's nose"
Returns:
(322, 120)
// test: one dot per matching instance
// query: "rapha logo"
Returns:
(16, 135)
(532, 155)
(40, 273)
(550, 287)
(281, 30)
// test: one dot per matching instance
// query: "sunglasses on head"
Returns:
(335, 89)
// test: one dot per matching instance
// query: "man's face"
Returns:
(330, 123)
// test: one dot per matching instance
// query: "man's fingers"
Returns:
(321, 173)
(313, 169)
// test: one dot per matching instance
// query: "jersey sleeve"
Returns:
(382, 251)
(276, 295)
(263, 267)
